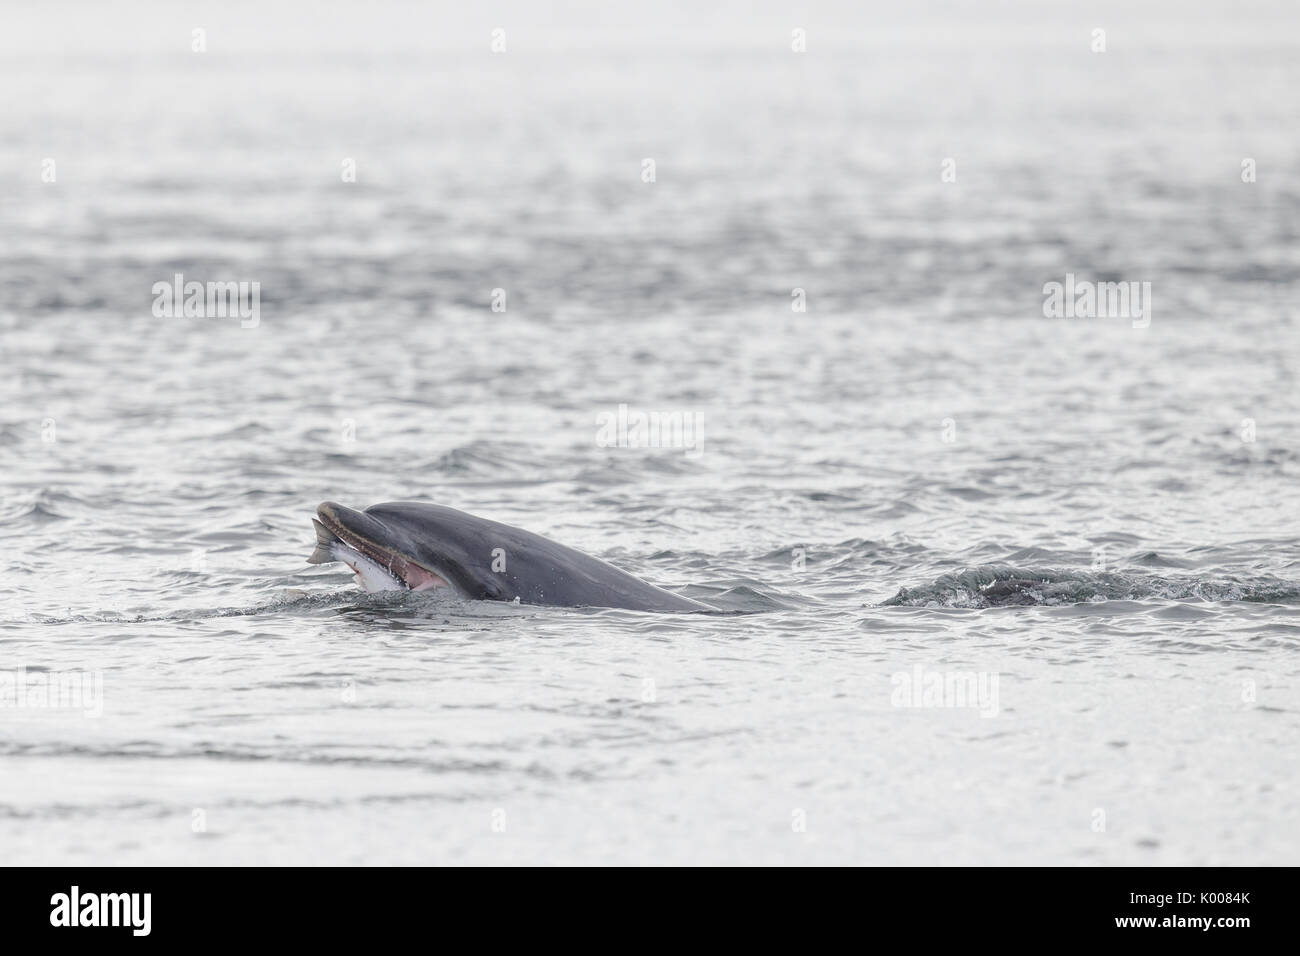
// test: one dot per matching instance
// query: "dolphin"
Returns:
(409, 545)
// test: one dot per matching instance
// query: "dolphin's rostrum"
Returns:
(416, 546)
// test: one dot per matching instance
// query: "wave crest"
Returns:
(1000, 585)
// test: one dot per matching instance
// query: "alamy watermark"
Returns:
(128, 910)
(1085, 299)
(919, 687)
(211, 300)
(632, 428)
(53, 690)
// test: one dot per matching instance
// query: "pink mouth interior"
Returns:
(418, 579)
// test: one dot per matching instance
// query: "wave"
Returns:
(1000, 585)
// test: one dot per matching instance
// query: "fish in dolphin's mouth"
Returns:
(377, 568)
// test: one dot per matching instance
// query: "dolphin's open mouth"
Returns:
(378, 568)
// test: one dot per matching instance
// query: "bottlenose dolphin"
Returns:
(409, 545)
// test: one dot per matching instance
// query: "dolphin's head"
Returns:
(409, 545)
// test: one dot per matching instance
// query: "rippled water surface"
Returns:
(919, 475)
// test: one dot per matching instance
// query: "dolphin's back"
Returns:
(524, 564)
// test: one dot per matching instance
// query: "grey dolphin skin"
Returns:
(413, 546)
